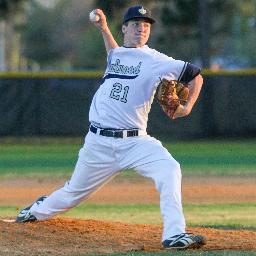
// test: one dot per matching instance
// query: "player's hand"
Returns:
(181, 111)
(101, 24)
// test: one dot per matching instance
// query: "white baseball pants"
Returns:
(102, 157)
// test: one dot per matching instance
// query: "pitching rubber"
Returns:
(7, 220)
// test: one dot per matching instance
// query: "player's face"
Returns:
(136, 33)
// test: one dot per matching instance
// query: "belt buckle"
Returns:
(117, 134)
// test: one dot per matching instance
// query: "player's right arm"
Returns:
(110, 42)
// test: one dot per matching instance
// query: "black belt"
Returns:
(113, 132)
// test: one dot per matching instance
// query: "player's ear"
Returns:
(124, 28)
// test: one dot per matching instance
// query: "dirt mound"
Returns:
(63, 236)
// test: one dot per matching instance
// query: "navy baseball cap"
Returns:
(138, 12)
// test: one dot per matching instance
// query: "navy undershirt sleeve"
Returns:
(189, 73)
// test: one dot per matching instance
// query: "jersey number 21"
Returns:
(119, 92)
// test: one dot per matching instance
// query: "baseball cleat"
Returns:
(184, 241)
(25, 215)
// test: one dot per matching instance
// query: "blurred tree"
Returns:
(184, 24)
(244, 31)
(112, 8)
(10, 7)
(62, 37)
(91, 53)
(51, 34)
(38, 36)
(204, 35)
(3, 8)
(12, 20)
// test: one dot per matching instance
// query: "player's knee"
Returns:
(174, 167)
(170, 169)
(169, 174)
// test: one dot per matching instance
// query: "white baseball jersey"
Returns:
(124, 99)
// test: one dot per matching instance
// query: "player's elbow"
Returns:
(199, 79)
(197, 82)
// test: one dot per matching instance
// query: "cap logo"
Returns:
(142, 10)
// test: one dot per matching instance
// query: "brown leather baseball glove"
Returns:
(170, 95)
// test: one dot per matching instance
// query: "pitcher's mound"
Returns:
(63, 236)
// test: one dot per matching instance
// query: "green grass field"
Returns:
(56, 157)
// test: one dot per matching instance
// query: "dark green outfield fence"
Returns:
(57, 104)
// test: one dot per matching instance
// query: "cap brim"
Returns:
(150, 20)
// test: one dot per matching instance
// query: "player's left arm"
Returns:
(194, 86)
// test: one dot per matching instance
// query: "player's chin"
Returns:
(141, 40)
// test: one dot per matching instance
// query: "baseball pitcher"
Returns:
(117, 138)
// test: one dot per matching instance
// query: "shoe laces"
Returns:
(180, 235)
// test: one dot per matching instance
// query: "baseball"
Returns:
(94, 17)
